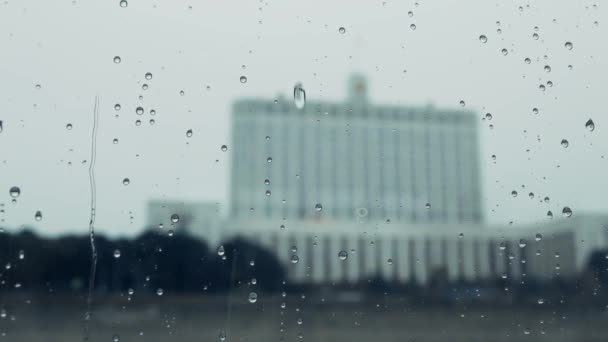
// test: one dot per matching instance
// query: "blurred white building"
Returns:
(357, 160)
(396, 189)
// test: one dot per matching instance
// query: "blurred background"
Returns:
(285, 170)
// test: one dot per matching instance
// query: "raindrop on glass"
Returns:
(549, 214)
(68, 126)
(220, 250)
(123, 3)
(116, 59)
(342, 30)
(295, 259)
(175, 218)
(568, 45)
(224, 148)
(126, 181)
(567, 212)
(117, 253)
(253, 297)
(299, 96)
(483, 38)
(590, 125)
(38, 216)
(522, 243)
(14, 191)
(189, 133)
(538, 237)
(564, 143)
(243, 79)
(413, 27)
(504, 52)
(160, 291)
(514, 193)
(148, 76)
(139, 110)
(318, 207)
(343, 255)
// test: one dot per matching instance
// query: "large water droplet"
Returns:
(590, 125)
(124, 3)
(224, 148)
(549, 214)
(522, 243)
(299, 96)
(253, 297)
(483, 38)
(115, 338)
(569, 45)
(342, 30)
(38, 216)
(514, 193)
(343, 255)
(126, 181)
(14, 191)
(160, 291)
(538, 237)
(504, 52)
(175, 218)
(220, 250)
(117, 59)
(243, 79)
(139, 110)
(564, 143)
(117, 253)
(148, 75)
(222, 335)
(189, 133)
(567, 211)
(295, 259)
(318, 207)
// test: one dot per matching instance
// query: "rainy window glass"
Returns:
(303, 170)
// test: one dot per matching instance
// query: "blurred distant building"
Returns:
(355, 159)
(199, 219)
(358, 191)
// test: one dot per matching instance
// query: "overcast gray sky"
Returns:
(68, 49)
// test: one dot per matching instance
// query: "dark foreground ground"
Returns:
(205, 318)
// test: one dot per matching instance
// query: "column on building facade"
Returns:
(319, 269)
(435, 261)
(352, 263)
(388, 257)
(469, 264)
(453, 258)
(403, 266)
(421, 264)
(484, 271)
(515, 259)
(337, 265)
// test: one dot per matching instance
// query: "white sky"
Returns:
(68, 48)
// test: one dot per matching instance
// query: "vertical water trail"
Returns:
(93, 268)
